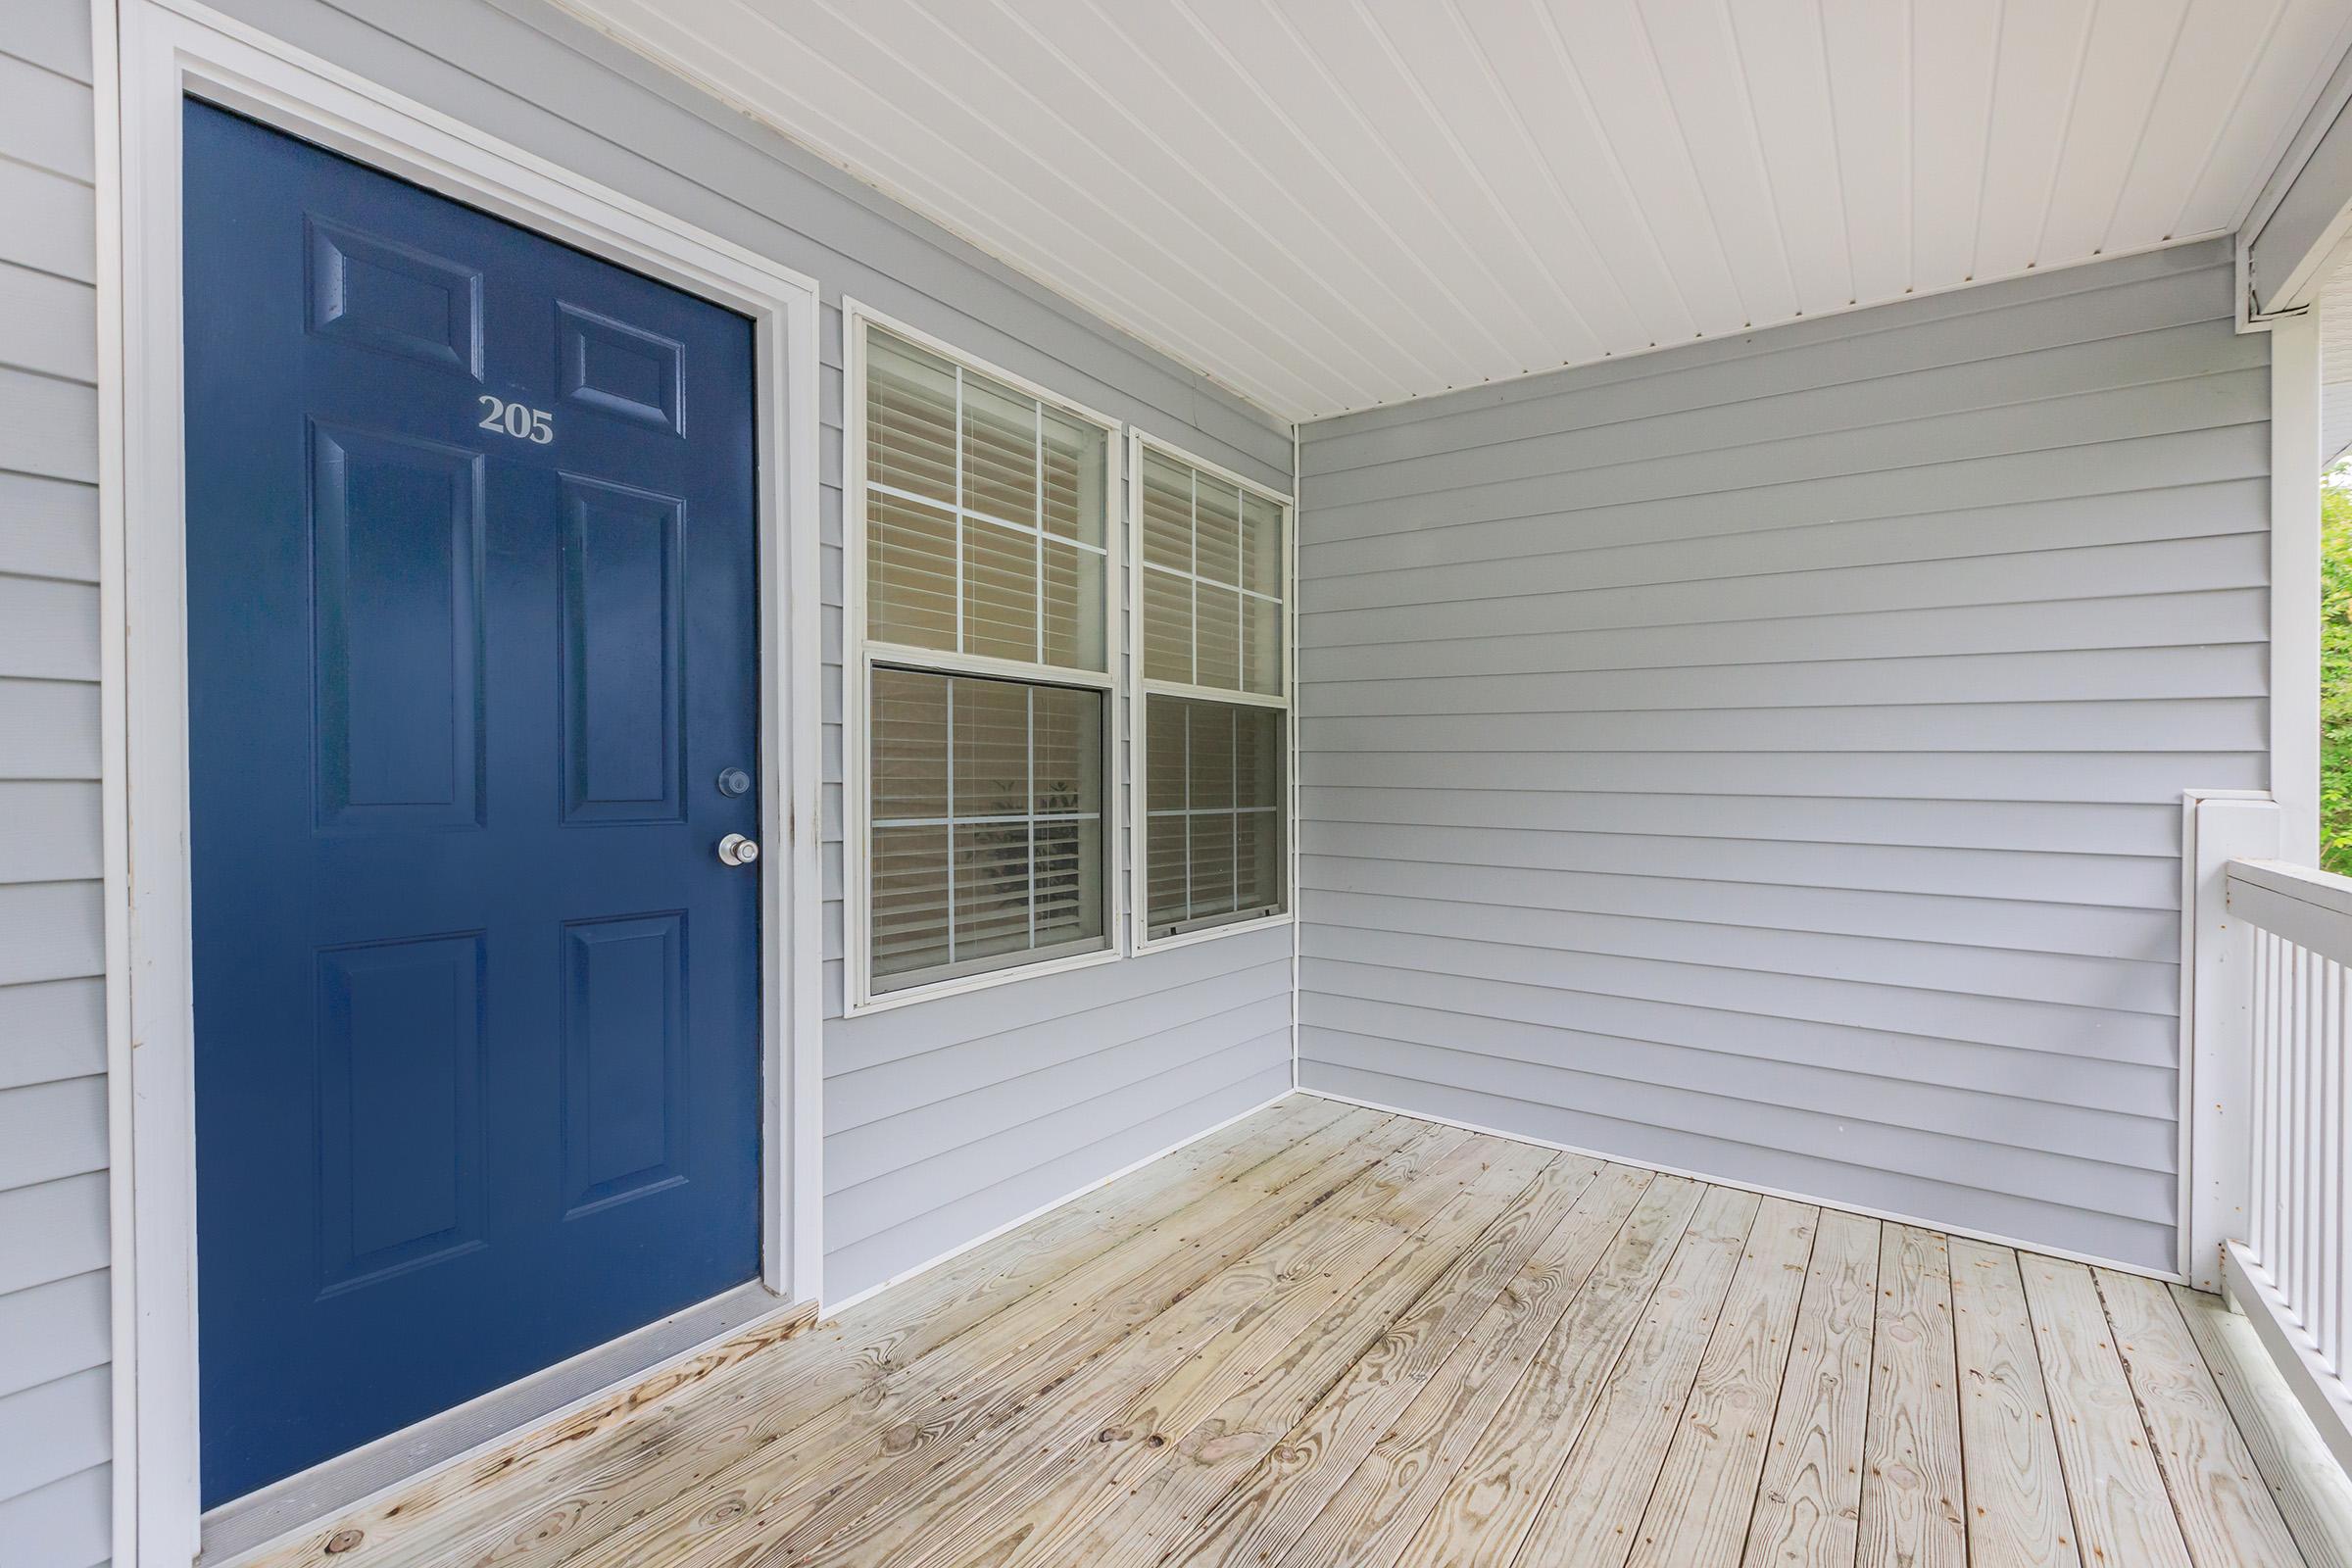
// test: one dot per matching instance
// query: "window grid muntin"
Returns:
(962, 512)
(1195, 581)
(1194, 917)
(953, 823)
(1078, 464)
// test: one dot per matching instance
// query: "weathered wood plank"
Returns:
(825, 1475)
(2017, 1507)
(1911, 1481)
(1414, 1384)
(1706, 1490)
(1490, 1501)
(1130, 1501)
(2227, 1514)
(1809, 1498)
(1593, 1505)
(2121, 1512)
(2311, 1492)
(1261, 1302)
(570, 1484)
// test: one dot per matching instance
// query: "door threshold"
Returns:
(511, 1417)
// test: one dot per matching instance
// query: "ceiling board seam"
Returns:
(1048, 47)
(1477, 175)
(1992, 97)
(947, 94)
(2148, 117)
(1608, 147)
(1302, 208)
(1845, 208)
(1192, 355)
(1373, 137)
(1216, 188)
(1756, 142)
(1306, 142)
(2245, 79)
(1706, 198)
(1910, 146)
(1067, 287)
(1543, 165)
(2066, 132)
(1073, 286)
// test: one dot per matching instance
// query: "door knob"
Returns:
(736, 850)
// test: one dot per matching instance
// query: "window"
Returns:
(1214, 696)
(983, 646)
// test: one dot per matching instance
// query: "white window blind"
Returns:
(985, 515)
(1212, 555)
(985, 657)
(987, 822)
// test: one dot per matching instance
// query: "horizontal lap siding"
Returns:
(947, 1119)
(1765, 758)
(55, 1399)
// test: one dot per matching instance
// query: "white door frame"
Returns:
(169, 50)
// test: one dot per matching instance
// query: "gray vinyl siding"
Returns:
(1765, 758)
(942, 1120)
(55, 1399)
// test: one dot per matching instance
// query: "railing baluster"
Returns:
(2307, 1194)
(2265, 1231)
(2326, 1253)
(2291, 1210)
(2306, 1137)
(2340, 1212)
(2281, 1066)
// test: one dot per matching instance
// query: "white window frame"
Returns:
(1140, 688)
(861, 655)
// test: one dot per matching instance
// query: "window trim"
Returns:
(1139, 689)
(861, 656)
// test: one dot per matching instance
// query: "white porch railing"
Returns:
(2269, 1153)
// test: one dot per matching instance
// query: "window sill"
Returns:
(962, 985)
(1211, 933)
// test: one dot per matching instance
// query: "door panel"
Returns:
(624, 1060)
(623, 629)
(472, 634)
(400, 1105)
(395, 552)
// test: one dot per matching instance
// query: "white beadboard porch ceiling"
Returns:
(1332, 204)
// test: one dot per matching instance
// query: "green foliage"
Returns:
(2335, 669)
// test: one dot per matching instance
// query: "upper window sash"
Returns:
(1213, 550)
(987, 512)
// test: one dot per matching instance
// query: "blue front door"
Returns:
(472, 698)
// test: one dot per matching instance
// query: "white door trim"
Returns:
(170, 49)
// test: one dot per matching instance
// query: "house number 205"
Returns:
(535, 426)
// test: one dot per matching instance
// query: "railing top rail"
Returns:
(2311, 908)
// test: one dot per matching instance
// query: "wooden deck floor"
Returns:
(1330, 1337)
